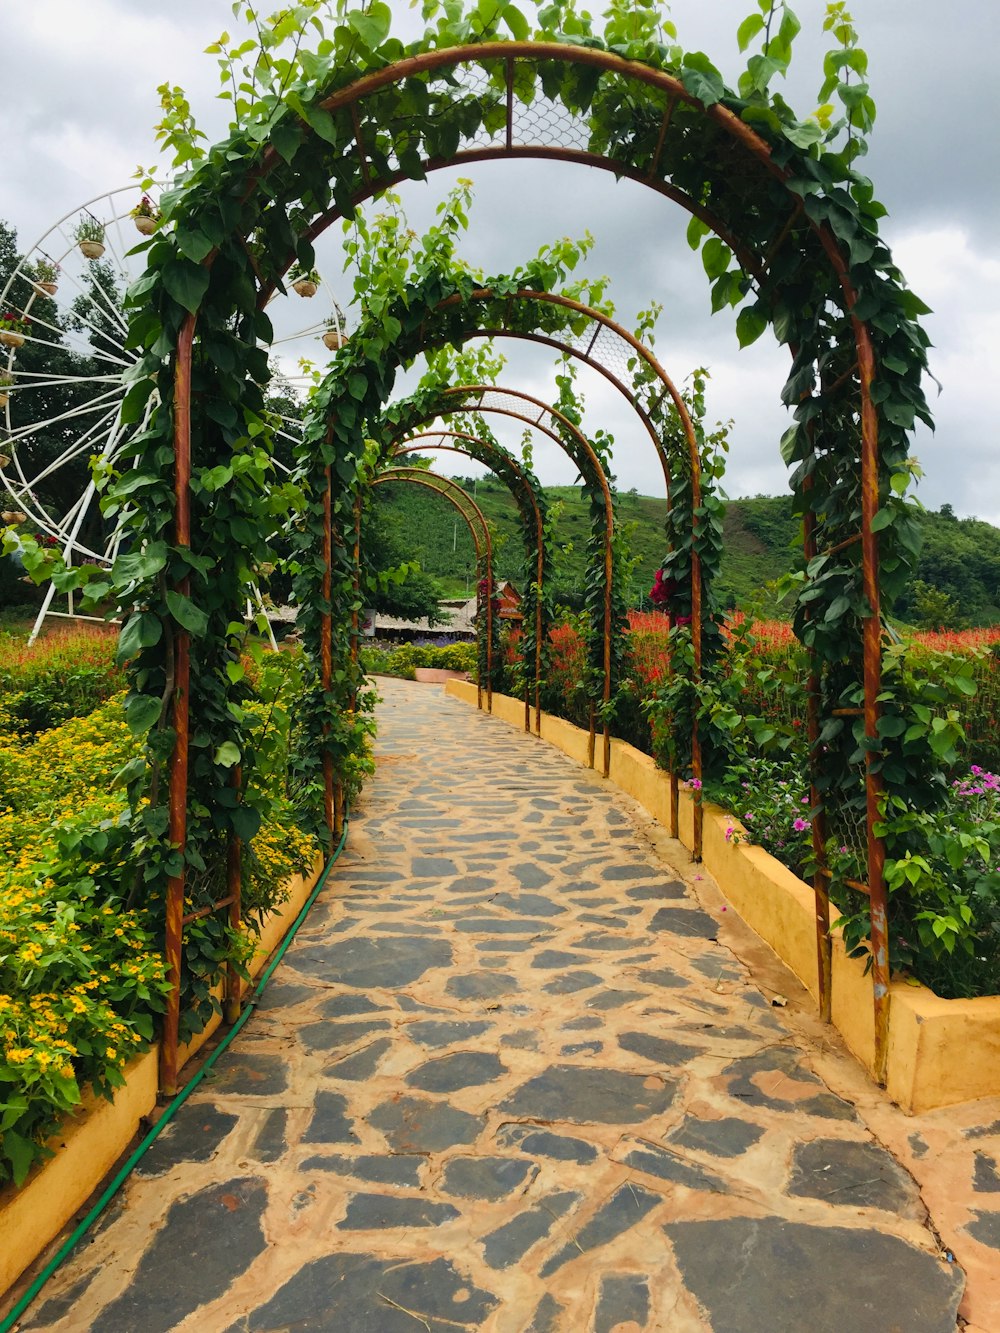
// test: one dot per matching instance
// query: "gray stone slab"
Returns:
(530, 876)
(205, 1243)
(481, 985)
(758, 1080)
(508, 1244)
(728, 1137)
(687, 921)
(503, 925)
(571, 982)
(376, 1212)
(346, 1006)
(543, 1143)
(430, 1032)
(661, 1050)
(632, 872)
(985, 1227)
(382, 1169)
(624, 1210)
(623, 1301)
(361, 1065)
(986, 1179)
(590, 1096)
(615, 999)
(194, 1135)
(855, 1175)
(767, 1275)
(667, 1165)
(330, 1122)
(529, 904)
(433, 867)
(330, 1035)
(463, 1069)
(416, 1125)
(605, 942)
(668, 888)
(578, 1047)
(487, 1178)
(359, 1293)
(561, 958)
(271, 1140)
(251, 1073)
(367, 963)
(547, 1316)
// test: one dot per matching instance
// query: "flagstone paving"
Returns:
(507, 1078)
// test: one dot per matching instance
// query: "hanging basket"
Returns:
(305, 287)
(333, 339)
(4, 399)
(11, 339)
(145, 225)
(91, 249)
(48, 288)
(14, 516)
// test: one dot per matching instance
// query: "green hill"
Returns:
(960, 557)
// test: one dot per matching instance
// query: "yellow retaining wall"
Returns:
(940, 1051)
(90, 1142)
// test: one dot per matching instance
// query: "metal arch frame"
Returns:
(404, 449)
(597, 472)
(450, 490)
(758, 153)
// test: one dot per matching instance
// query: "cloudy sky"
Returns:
(80, 102)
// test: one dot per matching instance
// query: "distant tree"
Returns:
(934, 609)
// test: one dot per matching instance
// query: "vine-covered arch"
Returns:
(532, 510)
(778, 194)
(479, 530)
(602, 604)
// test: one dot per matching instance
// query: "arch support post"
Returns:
(180, 706)
(234, 892)
(872, 647)
(326, 643)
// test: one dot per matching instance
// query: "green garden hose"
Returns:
(173, 1107)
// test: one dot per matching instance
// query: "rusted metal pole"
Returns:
(234, 889)
(824, 944)
(696, 645)
(356, 583)
(872, 645)
(180, 715)
(326, 646)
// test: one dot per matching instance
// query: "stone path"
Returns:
(508, 1079)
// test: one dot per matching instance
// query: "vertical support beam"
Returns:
(872, 645)
(592, 736)
(539, 618)
(356, 584)
(696, 644)
(326, 641)
(234, 891)
(180, 710)
(824, 944)
(489, 629)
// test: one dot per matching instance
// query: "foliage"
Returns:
(69, 675)
(81, 977)
(403, 659)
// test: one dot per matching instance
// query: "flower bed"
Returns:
(81, 972)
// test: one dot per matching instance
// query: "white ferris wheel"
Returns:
(64, 365)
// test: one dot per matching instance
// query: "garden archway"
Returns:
(807, 241)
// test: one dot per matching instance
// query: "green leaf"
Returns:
(517, 23)
(186, 282)
(21, 1153)
(142, 711)
(246, 822)
(883, 519)
(227, 754)
(701, 79)
(715, 257)
(749, 29)
(140, 631)
(187, 615)
(373, 26)
(750, 324)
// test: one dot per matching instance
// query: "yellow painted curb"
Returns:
(940, 1051)
(91, 1141)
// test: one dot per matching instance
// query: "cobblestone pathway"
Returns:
(508, 1079)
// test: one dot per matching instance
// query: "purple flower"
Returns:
(800, 825)
(695, 783)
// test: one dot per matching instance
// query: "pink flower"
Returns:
(800, 825)
(695, 783)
